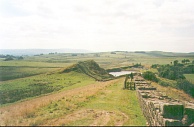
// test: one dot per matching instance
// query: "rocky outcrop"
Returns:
(90, 68)
(161, 110)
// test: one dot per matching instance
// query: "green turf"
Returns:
(190, 77)
(15, 90)
(117, 100)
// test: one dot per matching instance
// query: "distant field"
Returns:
(19, 89)
(106, 60)
(189, 77)
(14, 72)
(34, 65)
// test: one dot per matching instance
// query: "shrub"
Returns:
(163, 83)
(186, 86)
(8, 59)
(150, 76)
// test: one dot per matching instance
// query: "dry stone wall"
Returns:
(161, 110)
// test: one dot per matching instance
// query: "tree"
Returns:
(187, 61)
(172, 72)
(183, 61)
(131, 76)
(150, 76)
(125, 83)
(8, 59)
(20, 58)
(193, 62)
(176, 62)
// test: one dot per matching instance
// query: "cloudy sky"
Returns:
(98, 25)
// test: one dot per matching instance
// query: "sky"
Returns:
(98, 25)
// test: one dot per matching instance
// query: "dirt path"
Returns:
(9, 115)
(92, 117)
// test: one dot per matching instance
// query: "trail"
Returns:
(9, 114)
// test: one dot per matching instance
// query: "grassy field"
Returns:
(18, 89)
(14, 72)
(190, 77)
(100, 103)
(34, 65)
(105, 59)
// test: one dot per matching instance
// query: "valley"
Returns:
(72, 89)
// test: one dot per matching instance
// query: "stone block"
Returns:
(144, 95)
(172, 122)
(172, 110)
(147, 88)
(161, 120)
(189, 111)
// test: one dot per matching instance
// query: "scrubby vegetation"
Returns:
(186, 86)
(171, 72)
(150, 76)
(174, 75)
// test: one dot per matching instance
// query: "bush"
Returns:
(8, 59)
(150, 76)
(186, 86)
(155, 66)
(167, 82)
(163, 83)
(171, 72)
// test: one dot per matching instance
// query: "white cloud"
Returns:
(98, 24)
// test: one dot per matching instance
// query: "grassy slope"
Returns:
(189, 77)
(10, 113)
(53, 82)
(173, 92)
(90, 68)
(10, 70)
(115, 99)
(100, 103)
(13, 72)
(22, 88)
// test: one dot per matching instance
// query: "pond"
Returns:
(116, 74)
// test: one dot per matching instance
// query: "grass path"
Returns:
(109, 106)
(13, 114)
(100, 103)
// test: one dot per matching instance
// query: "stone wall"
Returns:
(161, 110)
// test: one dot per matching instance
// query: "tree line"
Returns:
(174, 71)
